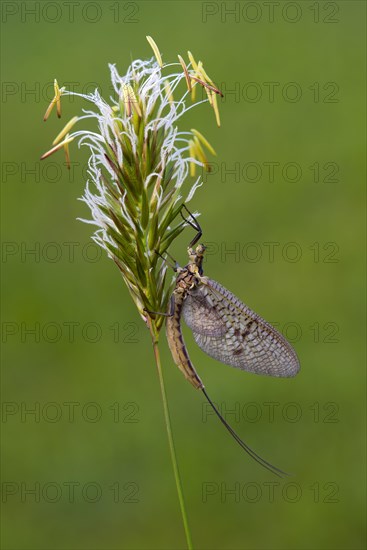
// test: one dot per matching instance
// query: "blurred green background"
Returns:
(90, 352)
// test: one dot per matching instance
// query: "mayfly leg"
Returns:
(164, 314)
(175, 264)
(194, 224)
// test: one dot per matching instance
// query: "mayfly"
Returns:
(225, 329)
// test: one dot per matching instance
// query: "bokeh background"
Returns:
(90, 468)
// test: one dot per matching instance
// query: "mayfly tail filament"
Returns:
(242, 444)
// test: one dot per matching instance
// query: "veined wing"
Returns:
(229, 331)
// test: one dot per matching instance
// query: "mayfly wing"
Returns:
(182, 360)
(229, 331)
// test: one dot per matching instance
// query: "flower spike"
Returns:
(138, 168)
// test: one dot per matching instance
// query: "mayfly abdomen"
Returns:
(176, 342)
